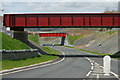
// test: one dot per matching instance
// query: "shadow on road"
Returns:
(77, 56)
(51, 44)
(66, 56)
(117, 54)
(36, 47)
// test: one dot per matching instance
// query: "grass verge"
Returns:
(34, 38)
(50, 50)
(73, 38)
(9, 43)
(102, 54)
(9, 64)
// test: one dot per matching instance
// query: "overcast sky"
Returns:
(59, 0)
(57, 6)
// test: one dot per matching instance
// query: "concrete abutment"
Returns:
(20, 34)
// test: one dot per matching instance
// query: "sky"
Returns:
(59, 0)
(47, 6)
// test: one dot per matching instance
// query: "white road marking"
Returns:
(97, 75)
(96, 63)
(103, 67)
(92, 68)
(88, 73)
(115, 75)
(92, 64)
(35, 67)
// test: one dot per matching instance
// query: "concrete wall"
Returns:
(18, 54)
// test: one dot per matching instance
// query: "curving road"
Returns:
(75, 65)
(71, 67)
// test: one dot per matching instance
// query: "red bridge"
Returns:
(58, 20)
(52, 34)
(63, 35)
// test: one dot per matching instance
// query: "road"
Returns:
(75, 65)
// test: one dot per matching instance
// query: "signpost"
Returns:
(99, 45)
(107, 65)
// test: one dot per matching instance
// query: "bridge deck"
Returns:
(58, 20)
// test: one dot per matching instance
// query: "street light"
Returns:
(3, 28)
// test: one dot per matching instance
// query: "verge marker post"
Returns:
(107, 65)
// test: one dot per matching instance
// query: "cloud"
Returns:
(7, 3)
(59, 0)
(30, 4)
(23, 7)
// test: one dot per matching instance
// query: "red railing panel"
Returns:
(43, 21)
(19, 21)
(66, 21)
(107, 21)
(96, 21)
(52, 34)
(54, 21)
(31, 21)
(86, 21)
(77, 21)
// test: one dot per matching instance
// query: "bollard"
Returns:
(107, 65)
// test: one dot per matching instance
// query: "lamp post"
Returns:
(1, 21)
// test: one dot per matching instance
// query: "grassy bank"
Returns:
(72, 38)
(9, 43)
(8, 64)
(102, 54)
(50, 50)
(13, 44)
(34, 38)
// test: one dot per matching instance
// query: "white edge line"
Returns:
(91, 66)
(36, 66)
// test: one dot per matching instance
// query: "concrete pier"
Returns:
(62, 40)
(21, 35)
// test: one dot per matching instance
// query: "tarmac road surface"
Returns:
(75, 65)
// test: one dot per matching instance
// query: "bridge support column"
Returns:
(62, 40)
(20, 34)
(67, 43)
